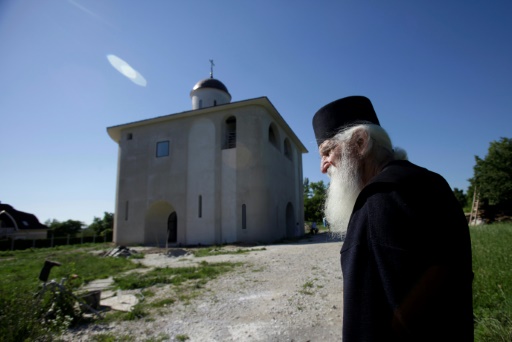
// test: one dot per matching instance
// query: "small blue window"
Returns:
(162, 149)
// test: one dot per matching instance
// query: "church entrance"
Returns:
(290, 221)
(172, 228)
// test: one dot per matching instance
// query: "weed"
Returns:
(163, 302)
(160, 338)
(174, 276)
(218, 250)
(147, 293)
(109, 337)
(308, 284)
(182, 337)
(136, 256)
(137, 312)
(307, 287)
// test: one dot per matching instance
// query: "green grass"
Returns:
(109, 337)
(20, 269)
(492, 285)
(20, 310)
(175, 276)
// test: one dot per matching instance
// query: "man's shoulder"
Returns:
(405, 172)
(404, 175)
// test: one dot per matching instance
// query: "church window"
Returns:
(244, 217)
(200, 206)
(272, 135)
(200, 104)
(214, 102)
(126, 210)
(129, 136)
(287, 149)
(162, 149)
(230, 133)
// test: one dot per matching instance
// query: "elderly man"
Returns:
(406, 257)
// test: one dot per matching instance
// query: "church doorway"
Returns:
(290, 220)
(159, 219)
(172, 228)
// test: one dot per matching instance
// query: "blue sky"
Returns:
(438, 73)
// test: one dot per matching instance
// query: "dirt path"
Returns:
(288, 292)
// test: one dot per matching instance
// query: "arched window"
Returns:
(230, 133)
(200, 206)
(126, 207)
(172, 227)
(272, 135)
(244, 217)
(287, 149)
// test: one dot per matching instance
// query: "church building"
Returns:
(222, 172)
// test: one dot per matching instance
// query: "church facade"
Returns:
(222, 172)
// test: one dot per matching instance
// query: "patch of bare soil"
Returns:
(287, 292)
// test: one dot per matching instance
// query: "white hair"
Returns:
(364, 150)
(378, 149)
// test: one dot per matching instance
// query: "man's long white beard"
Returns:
(342, 194)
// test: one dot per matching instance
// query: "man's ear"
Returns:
(360, 142)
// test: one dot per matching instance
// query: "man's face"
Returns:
(344, 185)
(330, 154)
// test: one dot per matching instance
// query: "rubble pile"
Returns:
(121, 251)
(177, 252)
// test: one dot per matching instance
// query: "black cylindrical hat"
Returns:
(339, 114)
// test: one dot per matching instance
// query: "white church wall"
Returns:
(228, 196)
(129, 221)
(281, 178)
(201, 182)
(256, 183)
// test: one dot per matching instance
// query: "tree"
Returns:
(100, 226)
(314, 199)
(69, 227)
(461, 197)
(493, 178)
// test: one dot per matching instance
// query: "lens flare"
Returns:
(126, 70)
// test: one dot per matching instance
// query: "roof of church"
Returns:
(115, 131)
(22, 220)
(211, 83)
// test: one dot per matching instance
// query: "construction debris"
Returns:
(121, 251)
(177, 252)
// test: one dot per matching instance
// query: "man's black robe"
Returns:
(406, 261)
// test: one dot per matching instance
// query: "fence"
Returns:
(19, 244)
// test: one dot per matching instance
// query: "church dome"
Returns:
(210, 83)
(209, 92)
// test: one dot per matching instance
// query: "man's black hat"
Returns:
(342, 113)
